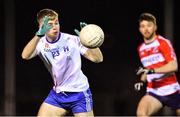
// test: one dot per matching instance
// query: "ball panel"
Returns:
(92, 36)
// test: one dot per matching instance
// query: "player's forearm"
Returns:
(143, 77)
(97, 55)
(94, 55)
(172, 66)
(29, 48)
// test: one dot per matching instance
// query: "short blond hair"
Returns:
(46, 12)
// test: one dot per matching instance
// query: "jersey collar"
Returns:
(59, 36)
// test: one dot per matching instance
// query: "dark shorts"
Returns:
(76, 102)
(172, 100)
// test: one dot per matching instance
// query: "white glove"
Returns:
(144, 70)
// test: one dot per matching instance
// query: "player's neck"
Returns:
(52, 39)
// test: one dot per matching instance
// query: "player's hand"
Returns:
(82, 24)
(141, 70)
(44, 27)
(138, 86)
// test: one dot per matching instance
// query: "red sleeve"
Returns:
(167, 50)
(138, 50)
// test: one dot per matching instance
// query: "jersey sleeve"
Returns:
(138, 51)
(168, 51)
(82, 48)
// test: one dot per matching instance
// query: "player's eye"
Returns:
(50, 24)
(57, 23)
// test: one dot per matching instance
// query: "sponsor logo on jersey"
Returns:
(47, 49)
(55, 51)
(152, 59)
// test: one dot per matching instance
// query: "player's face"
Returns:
(147, 29)
(54, 31)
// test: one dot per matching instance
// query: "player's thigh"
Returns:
(50, 110)
(148, 105)
(178, 112)
(84, 114)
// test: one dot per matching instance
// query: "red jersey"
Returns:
(154, 55)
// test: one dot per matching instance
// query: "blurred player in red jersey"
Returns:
(159, 66)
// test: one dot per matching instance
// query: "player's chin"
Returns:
(55, 34)
(147, 36)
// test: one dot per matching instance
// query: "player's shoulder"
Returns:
(68, 35)
(42, 40)
(163, 40)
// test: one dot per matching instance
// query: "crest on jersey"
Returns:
(155, 50)
(46, 45)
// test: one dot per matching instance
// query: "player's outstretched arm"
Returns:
(171, 66)
(92, 54)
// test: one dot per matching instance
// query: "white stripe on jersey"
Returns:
(151, 45)
(151, 77)
(165, 90)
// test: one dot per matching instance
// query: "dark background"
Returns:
(111, 82)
